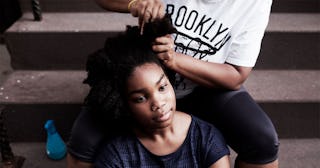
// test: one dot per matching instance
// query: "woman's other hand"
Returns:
(164, 47)
(146, 10)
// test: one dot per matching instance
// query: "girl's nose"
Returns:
(158, 103)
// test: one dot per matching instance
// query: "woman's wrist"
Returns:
(171, 63)
(131, 3)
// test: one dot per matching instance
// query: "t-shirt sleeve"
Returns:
(108, 157)
(245, 46)
(213, 145)
(216, 147)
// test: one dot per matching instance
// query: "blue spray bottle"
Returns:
(56, 148)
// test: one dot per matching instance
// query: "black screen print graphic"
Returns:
(196, 48)
(209, 36)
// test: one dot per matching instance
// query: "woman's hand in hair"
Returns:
(164, 47)
(146, 10)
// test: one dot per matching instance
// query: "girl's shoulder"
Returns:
(203, 128)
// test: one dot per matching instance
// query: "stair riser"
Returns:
(295, 120)
(53, 51)
(280, 50)
(25, 122)
(290, 51)
(296, 6)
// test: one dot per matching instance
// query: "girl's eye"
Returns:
(163, 87)
(140, 99)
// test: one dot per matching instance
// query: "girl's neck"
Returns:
(156, 134)
(167, 140)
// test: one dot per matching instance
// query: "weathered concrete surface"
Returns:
(25, 87)
(5, 67)
(44, 87)
(284, 85)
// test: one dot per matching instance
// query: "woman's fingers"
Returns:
(168, 58)
(166, 40)
(154, 13)
(159, 48)
(147, 10)
(164, 47)
(161, 11)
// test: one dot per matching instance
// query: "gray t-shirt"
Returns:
(203, 146)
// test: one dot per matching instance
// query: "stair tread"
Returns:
(284, 85)
(63, 87)
(29, 87)
(114, 22)
(294, 22)
(74, 22)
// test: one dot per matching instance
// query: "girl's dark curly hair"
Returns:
(109, 68)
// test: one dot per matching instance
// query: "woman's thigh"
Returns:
(245, 126)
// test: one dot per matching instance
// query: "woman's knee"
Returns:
(85, 137)
(256, 139)
(262, 151)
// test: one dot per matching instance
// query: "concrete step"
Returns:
(293, 153)
(5, 67)
(90, 6)
(295, 6)
(291, 98)
(63, 40)
(30, 98)
(292, 41)
(63, 6)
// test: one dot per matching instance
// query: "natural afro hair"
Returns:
(109, 68)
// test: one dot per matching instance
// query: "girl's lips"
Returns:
(163, 117)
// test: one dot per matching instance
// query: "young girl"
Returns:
(129, 84)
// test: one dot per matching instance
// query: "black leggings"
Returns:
(245, 126)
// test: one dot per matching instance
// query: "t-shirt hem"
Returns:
(80, 157)
(216, 158)
(240, 63)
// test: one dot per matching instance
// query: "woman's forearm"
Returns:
(213, 75)
(209, 74)
(114, 5)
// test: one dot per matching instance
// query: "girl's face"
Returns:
(151, 97)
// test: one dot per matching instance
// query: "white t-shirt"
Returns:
(220, 31)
